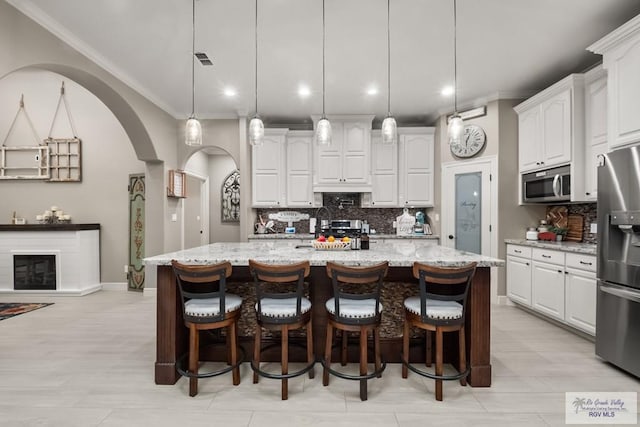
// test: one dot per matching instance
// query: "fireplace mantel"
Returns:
(76, 248)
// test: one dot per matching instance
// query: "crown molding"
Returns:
(617, 36)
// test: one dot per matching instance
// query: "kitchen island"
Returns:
(171, 339)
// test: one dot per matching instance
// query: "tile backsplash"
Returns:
(589, 211)
(346, 206)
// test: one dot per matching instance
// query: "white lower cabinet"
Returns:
(547, 294)
(554, 283)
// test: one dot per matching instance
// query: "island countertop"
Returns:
(399, 254)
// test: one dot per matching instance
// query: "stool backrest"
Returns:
(279, 281)
(202, 282)
(351, 283)
(434, 275)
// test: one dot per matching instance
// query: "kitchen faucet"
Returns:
(317, 215)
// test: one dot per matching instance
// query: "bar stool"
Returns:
(279, 309)
(207, 306)
(435, 311)
(350, 311)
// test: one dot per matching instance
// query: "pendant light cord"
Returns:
(455, 59)
(388, 61)
(193, 53)
(256, 40)
(323, 41)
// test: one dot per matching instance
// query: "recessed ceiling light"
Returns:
(230, 92)
(447, 91)
(304, 91)
(372, 91)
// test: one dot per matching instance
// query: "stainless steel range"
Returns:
(618, 300)
(341, 227)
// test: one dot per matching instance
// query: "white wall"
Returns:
(107, 160)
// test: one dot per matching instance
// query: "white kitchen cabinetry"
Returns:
(268, 170)
(547, 278)
(299, 165)
(384, 174)
(344, 165)
(580, 292)
(554, 283)
(549, 123)
(415, 170)
(595, 100)
(620, 52)
(519, 274)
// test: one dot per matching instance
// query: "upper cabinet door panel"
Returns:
(628, 91)
(299, 155)
(355, 134)
(529, 140)
(268, 156)
(420, 152)
(385, 157)
(556, 129)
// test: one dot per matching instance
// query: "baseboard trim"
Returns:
(114, 286)
(152, 292)
(502, 300)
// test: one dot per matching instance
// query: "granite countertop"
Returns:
(575, 247)
(399, 254)
(308, 236)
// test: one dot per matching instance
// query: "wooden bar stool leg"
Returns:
(256, 352)
(327, 354)
(310, 355)
(363, 362)
(343, 352)
(405, 347)
(439, 367)
(194, 344)
(285, 361)
(233, 335)
(428, 348)
(463, 355)
(376, 350)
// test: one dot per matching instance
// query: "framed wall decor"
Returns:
(230, 194)
(177, 184)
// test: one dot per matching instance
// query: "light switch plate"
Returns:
(174, 217)
(593, 228)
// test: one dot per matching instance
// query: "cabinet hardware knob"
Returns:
(526, 263)
(566, 272)
(451, 236)
(559, 271)
(587, 193)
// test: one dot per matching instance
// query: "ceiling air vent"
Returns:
(203, 58)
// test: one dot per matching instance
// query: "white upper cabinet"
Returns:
(299, 165)
(415, 170)
(620, 52)
(549, 124)
(268, 170)
(595, 101)
(344, 165)
(384, 174)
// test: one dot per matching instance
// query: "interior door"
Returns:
(466, 210)
(194, 214)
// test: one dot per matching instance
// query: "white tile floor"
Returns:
(88, 361)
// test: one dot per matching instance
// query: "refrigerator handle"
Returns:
(621, 293)
(556, 187)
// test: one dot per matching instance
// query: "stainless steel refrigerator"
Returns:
(618, 299)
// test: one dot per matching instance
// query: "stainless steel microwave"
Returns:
(547, 186)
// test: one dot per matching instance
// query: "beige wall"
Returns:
(220, 166)
(107, 160)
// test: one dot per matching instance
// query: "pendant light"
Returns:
(323, 128)
(193, 129)
(389, 126)
(456, 126)
(256, 127)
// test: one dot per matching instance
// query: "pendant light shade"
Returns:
(193, 129)
(389, 130)
(323, 131)
(256, 127)
(256, 131)
(456, 126)
(389, 126)
(323, 127)
(193, 132)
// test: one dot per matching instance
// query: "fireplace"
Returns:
(34, 272)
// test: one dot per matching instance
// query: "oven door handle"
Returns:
(556, 186)
(621, 293)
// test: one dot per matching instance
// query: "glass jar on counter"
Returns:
(364, 241)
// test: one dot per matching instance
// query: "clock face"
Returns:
(471, 143)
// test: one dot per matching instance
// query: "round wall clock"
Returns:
(471, 143)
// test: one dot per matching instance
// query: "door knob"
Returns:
(451, 236)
